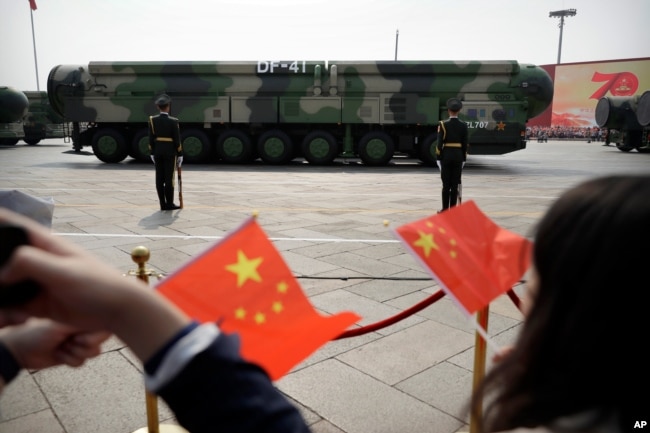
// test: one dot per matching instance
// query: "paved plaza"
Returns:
(329, 225)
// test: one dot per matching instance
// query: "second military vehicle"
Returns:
(236, 111)
(627, 119)
(13, 107)
(41, 120)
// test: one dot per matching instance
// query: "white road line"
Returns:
(126, 235)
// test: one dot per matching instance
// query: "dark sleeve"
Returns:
(177, 138)
(441, 139)
(465, 141)
(218, 391)
(151, 135)
(9, 367)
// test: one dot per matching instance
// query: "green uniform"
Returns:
(165, 146)
(451, 152)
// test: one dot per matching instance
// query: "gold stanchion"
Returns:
(479, 363)
(140, 255)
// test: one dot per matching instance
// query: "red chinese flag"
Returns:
(473, 259)
(32, 4)
(243, 283)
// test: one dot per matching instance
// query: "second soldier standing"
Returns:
(451, 153)
(166, 151)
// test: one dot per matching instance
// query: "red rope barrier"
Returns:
(394, 319)
(515, 299)
(409, 312)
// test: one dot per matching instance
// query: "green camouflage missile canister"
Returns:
(13, 107)
(627, 120)
(280, 110)
(41, 120)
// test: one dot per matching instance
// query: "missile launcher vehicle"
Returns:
(627, 120)
(276, 111)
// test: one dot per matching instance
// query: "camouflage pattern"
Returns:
(41, 120)
(278, 110)
(627, 120)
(13, 107)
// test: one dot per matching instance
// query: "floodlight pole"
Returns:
(561, 14)
(396, 38)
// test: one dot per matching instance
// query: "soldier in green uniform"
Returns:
(166, 151)
(451, 153)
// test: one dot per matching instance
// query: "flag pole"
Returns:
(140, 255)
(479, 362)
(31, 12)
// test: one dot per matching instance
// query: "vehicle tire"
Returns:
(275, 147)
(427, 151)
(319, 148)
(234, 147)
(109, 145)
(376, 148)
(196, 146)
(9, 141)
(32, 141)
(140, 146)
(624, 147)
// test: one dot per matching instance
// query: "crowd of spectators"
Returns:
(545, 133)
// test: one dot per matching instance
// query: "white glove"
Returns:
(153, 159)
(439, 165)
(179, 161)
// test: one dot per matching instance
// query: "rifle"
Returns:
(180, 188)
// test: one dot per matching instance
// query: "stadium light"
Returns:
(561, 14)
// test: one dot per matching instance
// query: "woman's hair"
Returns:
(582, 346)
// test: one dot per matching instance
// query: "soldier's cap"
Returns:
(454, 104)
(163, 99)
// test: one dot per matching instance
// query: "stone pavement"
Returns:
(414, 376)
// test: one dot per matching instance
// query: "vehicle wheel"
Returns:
(140, 146)
(109, 145)
(319, 148)
(196, 146)
(275, 147)
(428, 149)
(376, 148)
(624, 147)
(32, 141)
(234, 147)
(9, 141)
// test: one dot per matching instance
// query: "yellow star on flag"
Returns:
(426, 242)
(282, 287)
(245, 268)
(240, 313)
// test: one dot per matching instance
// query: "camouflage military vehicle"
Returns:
(627, 119)
(13, 107)
(41, 120)
(236, 112)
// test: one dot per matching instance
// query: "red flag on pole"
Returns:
(32, 4)
(243, 283)
(473, 259)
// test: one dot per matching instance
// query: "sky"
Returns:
(80, 31)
